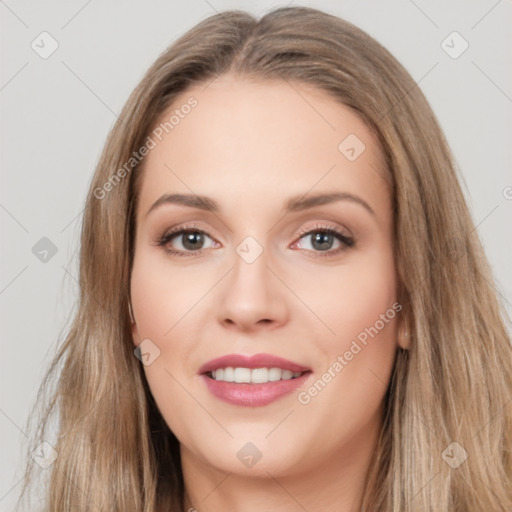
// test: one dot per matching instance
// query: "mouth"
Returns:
(242, 375)
(252, 381)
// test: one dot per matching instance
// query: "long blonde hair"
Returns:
(116, 453)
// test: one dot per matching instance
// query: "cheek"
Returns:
(352, 297)
(359, 357)
(366, 296)
(358, 307)
(163, 294)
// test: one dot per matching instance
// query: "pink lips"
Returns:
(252, 395)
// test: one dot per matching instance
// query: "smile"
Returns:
(252, 381)
(254, 376)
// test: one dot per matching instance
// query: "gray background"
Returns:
(56, 114)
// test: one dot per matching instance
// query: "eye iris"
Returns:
(324, 240)
(195, 240)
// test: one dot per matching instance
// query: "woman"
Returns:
(284, 303)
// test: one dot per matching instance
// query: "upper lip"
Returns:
(254, 361)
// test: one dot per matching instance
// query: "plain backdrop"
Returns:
(56, 113)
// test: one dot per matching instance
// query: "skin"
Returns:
(251, 145)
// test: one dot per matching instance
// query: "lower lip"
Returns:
(253, 395)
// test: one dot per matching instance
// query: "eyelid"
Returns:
(187, 226)
(346, 240)
(324, 226)
(170, 233)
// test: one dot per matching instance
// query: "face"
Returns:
(288, 255)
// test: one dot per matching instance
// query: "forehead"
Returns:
(255, 141)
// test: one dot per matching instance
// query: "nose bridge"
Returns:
(251, 293)
(250, 277)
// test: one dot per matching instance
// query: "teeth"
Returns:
(229, 375)
(259, 375)
(242, 375)
(274, 374)
(255, 375)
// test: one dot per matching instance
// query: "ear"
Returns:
(404, 336)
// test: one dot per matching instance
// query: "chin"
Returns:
(255, 457)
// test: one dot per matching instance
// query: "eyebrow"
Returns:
(294, 204)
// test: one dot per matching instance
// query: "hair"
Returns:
(453, 384)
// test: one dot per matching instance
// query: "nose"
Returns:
(252, 297)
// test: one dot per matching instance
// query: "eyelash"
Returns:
(347, 241)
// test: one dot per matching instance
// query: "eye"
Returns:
(322, 239)
(189, 239)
